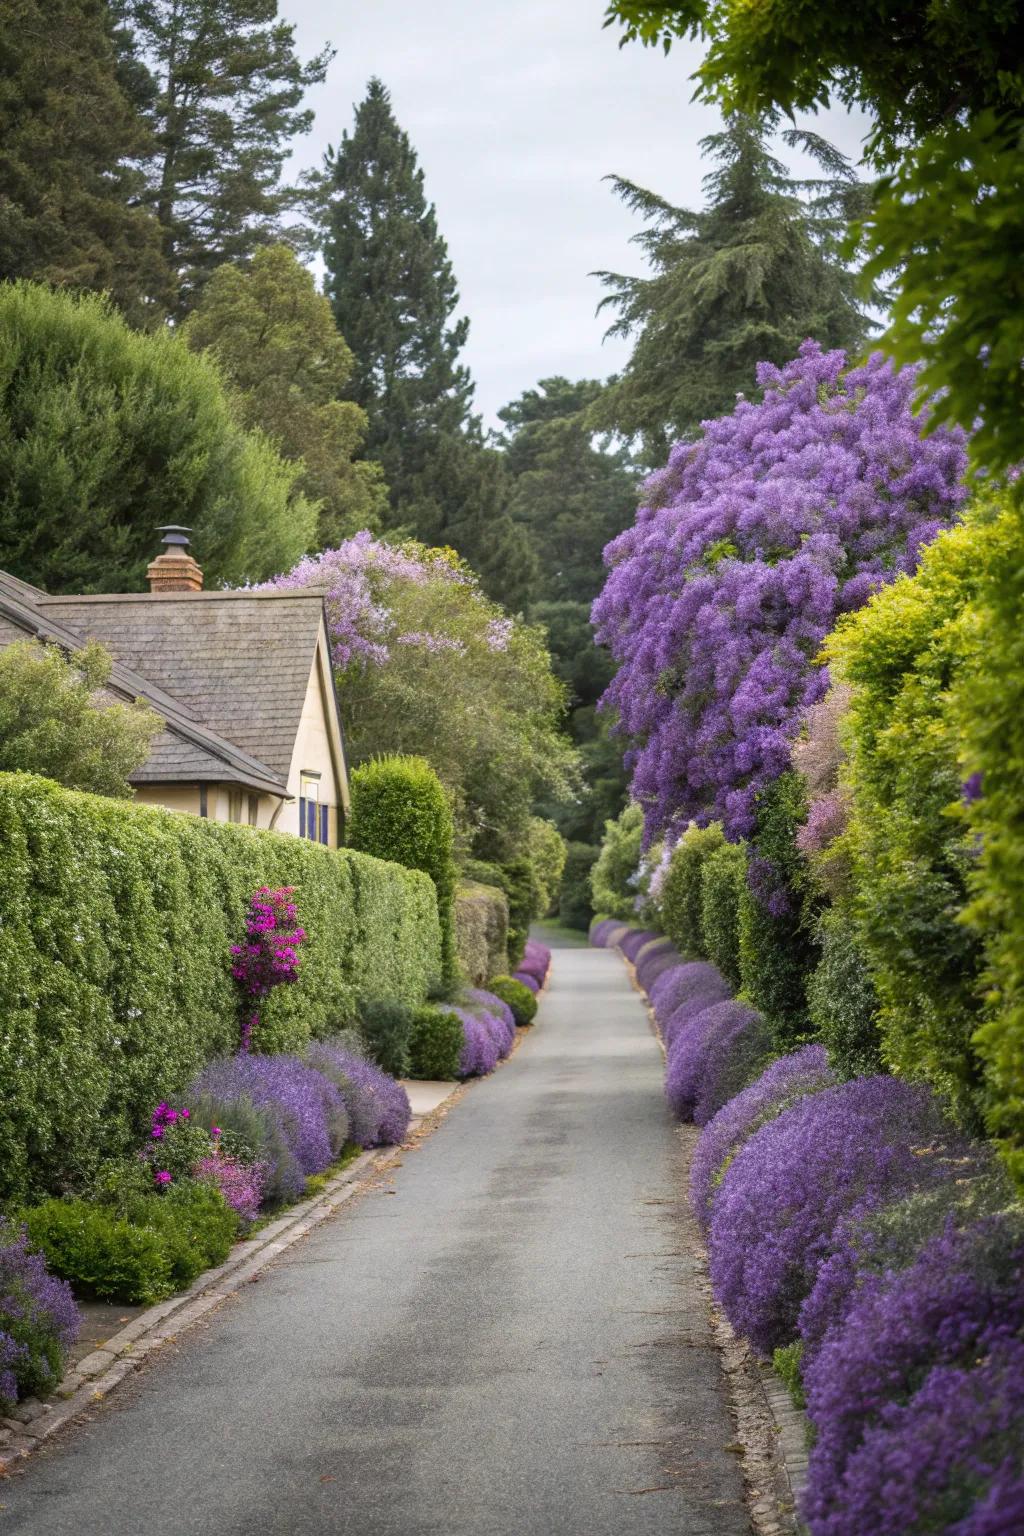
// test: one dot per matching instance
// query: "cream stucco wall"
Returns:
(313, 755)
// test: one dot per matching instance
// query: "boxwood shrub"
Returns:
(115, 979)
(517, 995)
(435, 1044)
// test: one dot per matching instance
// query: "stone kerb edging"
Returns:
(743, 1367)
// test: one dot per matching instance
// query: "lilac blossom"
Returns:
(752, 541)
(378, 1109)
(918, 1398)
(857, 1146)
(711, 1056)
(782, 1084)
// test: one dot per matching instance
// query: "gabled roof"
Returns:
(227, 671)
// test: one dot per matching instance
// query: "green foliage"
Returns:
(115, 982)
(221, 89)
(275, 340)
(481, 928)
(841, 1002)
(385, 1027)
(912, 855)
(400, 812)
(516, 878)
(575, 902)
(53, 723)
(614, 875)
(777, 946)
(68, 210)
(947, 104)
(723, 875)
(745, 280)
(519, 998)
(788, 1360)
(105, 433)
(682, 895)
(156, 1245)
(547, 851)
(435, 1044)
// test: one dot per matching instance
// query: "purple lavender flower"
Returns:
(710, 1057)
(857, 1146)
(696, 981)
(480, 1050)
(482, 1001)
(308, 1109)
(783, 515)
(918, 1398)
(527, 980)
(784, 1082)
(633, 942)
(377, 1106)
(39, 1321)
(536, 960)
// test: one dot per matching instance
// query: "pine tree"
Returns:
(275, 339)
(394, 295)
(224, 99)
(742, 281)
(69, 138)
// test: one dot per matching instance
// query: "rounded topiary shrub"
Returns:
(435, 1044)
(518, 997)
(400, 812)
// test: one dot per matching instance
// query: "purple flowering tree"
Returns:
(752, 541)
(269, 956)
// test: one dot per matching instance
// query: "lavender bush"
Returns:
(782, 516)
(527, 980)
(377, 1106)
(694, 982)
(39, 1321)
(602, 929)
(711, 1056)
(860, 1145)
(634, 941)
(480, 1054)
(536, 960)
(784, 1082)
(482, 1001)
(918, 1399)
(307, 1109)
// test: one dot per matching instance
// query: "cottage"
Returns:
(242, 681)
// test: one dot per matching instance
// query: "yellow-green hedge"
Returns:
(116, 922)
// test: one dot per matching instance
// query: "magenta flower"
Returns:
(162, 1177)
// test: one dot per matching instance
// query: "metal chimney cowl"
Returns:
(175, 570)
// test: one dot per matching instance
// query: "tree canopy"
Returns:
(221, 87)
(54, 719)
(275, 339)
(742, 281)
(106, 432)
(945, 87)
(69, 137)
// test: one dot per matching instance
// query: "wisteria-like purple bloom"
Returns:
(782, 1084)
(752, 541)
(918, 1398)
(854, 1147)
(710, 1057)
(378, 1109)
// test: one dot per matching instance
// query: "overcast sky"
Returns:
(517, 109)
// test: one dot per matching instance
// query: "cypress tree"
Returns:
(394, 295)
(745, 280)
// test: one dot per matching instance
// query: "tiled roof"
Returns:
(227, 671)
(238, 661)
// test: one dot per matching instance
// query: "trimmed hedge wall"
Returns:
(116, 922)
(481, 931)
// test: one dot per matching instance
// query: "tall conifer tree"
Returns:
(69, 145)
(744, 280)
(394, 294)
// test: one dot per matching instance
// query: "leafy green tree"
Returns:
(55, 721)
(742, 281)
(569, 493)
(275, 339)
(106, 433)
(945, 87)
(391, 283)
(224, 101)
(614, 877)
(68, 138)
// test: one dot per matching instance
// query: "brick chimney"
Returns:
(175, 570)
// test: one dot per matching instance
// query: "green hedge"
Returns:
(115, 982)
(681, 890)
(722, 879)
(400, 812)
(481, 931)
(575, 901)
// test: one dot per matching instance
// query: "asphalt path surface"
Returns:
(503, 1338)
